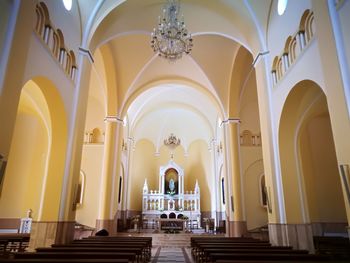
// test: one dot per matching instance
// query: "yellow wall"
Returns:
(26, 167)
(320, 171)
(91, 165)
(253, 168)
(196, 165)
(199, 166)
(143, 167)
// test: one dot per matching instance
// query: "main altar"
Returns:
(170, 204)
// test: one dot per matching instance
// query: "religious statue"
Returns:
(171, 187)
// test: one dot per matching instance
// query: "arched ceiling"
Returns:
(133, 72)
(172, 108)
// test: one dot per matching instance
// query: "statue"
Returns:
(171, 185)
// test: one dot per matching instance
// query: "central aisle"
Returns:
(171, 254)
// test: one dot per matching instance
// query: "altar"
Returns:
(170, 203)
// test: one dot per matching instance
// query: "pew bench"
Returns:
(60, 260)
(138, 251)
(214, 257)
(131, 257)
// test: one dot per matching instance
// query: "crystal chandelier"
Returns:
(172, 141)
(170, 39)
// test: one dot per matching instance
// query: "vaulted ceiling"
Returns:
(159, 97)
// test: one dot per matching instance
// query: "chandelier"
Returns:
(170, 39)
(172, 141)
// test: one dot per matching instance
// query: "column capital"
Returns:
(231, 120)
(87, 53)
(113, 119)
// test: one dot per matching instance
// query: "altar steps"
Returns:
(172, 240)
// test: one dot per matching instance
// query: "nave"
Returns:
(245, 127)
(170, 248)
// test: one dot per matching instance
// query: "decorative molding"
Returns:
(231, 120)
(113, 119)
(258, 56)
(86, 52)
(294, 47)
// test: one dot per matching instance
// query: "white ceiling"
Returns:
(172, 108)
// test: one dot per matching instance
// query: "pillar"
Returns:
(106, 214)
(49, 230)
(237, 225)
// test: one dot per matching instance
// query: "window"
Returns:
(67, 4)
(223, 190)
(281, 6)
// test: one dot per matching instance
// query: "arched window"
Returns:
(79, 193)
(223, 190)
(263, 193)
(120, 189)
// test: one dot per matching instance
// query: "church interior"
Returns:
(227, 118)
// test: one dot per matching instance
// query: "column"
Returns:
(237, 224)
(105, 214)
(49, 229)
(285, 62)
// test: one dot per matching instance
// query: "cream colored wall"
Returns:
(253, 168)
(199, 166)
(27, 162)
(196, 164)
(320, 172)
(344, 12)
(67, 21)
(251, 156)
(91, 165)
(280, 27)
(143, 167)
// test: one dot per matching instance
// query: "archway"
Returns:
(310, 173)
(37, 156)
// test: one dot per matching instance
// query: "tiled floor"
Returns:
(171, 255)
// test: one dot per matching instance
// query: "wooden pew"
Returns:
(146, 242)
(245, 249)
(60, 260)
(131, 257)
(13, 243)
(205, 256)
(145, 245)
(138, 251)
(242, 257)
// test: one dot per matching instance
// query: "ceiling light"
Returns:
(170, 39)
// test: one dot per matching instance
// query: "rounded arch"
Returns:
(172, 80)
(256, 213)
(47, 145)
(58, 143)
(304, 132)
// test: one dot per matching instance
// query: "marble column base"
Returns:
(108, 224)
(46, 233)
(299, 236)
(236, 228)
